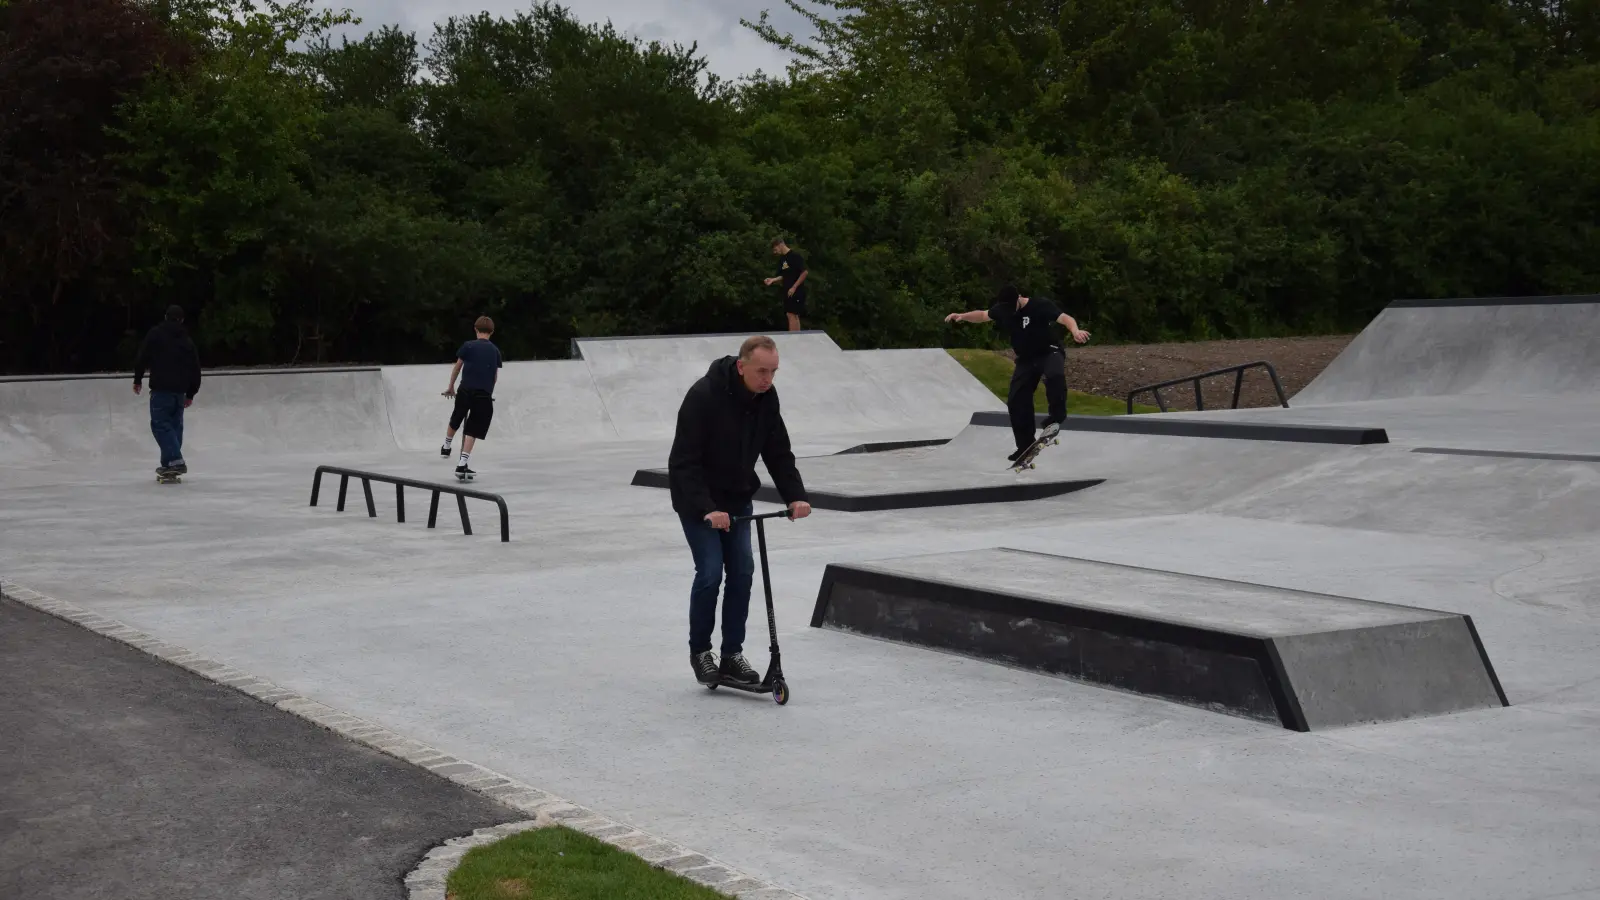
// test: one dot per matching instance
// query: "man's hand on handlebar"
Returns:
(718, 520)
(799, 509)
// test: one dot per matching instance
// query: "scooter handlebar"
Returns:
(785, 514)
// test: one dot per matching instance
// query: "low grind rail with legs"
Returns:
(400, 485)
(1199, 399)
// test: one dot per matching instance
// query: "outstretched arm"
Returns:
(976, 315)
(1078, 334)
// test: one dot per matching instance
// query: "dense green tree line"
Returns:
(1167, 168)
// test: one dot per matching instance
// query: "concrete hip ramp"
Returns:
(1495, 345)
(824, 389)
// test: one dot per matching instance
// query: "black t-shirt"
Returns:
(480, 359)
(1028, 327)
(790, 269)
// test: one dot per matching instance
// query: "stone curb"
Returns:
(427, 880)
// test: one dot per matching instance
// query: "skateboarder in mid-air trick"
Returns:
(1027, 322)
(174, 365)
(728, 418)
(478, 365)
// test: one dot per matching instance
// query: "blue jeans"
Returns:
(166, 423)
(713, 552)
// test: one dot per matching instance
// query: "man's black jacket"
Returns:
(170, 356)
(722, 428)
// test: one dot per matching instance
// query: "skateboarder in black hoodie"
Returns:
(174, 365)
(728, 418)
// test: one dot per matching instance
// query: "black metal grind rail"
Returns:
(1199, 399)
(400, 485)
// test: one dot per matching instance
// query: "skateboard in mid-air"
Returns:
(1050, 435)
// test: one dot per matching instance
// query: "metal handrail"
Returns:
(1199, 398)
(400, 485)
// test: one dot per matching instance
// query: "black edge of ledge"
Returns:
(1156, 424)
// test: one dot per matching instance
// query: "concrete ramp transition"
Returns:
(617, 389)
(1491, 345)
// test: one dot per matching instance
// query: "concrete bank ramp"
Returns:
(1495, 345)
(235, 412)
(537, 404)
(825, 390)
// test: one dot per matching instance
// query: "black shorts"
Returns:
(796, 304)
(476, 408)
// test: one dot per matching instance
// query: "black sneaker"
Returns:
(464, 473)
(1015, 454)
(179, 468)
(705, 667)
(444, 451)
(734, 668)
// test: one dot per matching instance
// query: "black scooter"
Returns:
(773, 682)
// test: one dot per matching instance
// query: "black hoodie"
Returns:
(173, 362)
(722, 428)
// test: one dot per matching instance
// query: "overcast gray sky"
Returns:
(730, 49)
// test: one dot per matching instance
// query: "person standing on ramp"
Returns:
(174, 366)
(478, 365)
(1027, 322)
(792, 272)
(728, 418)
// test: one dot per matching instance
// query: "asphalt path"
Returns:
(122, 776)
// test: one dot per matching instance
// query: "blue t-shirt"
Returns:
(479, 360)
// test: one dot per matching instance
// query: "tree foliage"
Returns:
(1165, 168)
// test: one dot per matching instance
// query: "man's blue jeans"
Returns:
(713, 552)
(166, 423)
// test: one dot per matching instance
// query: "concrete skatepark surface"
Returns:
(895, 772)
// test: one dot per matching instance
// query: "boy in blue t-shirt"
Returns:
(478, 366)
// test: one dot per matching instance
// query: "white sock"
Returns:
(448, 440)
(464, 455)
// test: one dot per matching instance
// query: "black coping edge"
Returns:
(886, 446)
(205, 373)
(1258, 649)
(1155, 424)
(577, 351)
(1554, 300)
(1508, 454)
(1483, 654)
(1004, 493)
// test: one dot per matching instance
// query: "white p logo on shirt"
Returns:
(1024, 321)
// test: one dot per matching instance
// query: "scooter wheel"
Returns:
(780, 692)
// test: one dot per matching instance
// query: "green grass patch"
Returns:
(993, 369)
(558, 863)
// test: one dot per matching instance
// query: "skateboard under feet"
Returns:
(1025, 460)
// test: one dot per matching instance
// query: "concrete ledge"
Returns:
(1011, 492)
(1301, 660)
(1187, 426)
